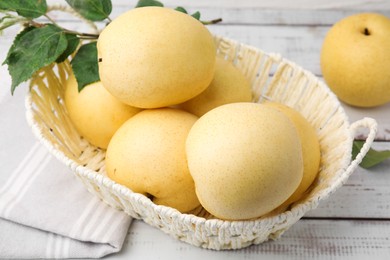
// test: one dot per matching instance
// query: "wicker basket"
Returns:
(272, 78)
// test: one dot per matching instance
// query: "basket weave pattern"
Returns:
(273, 78)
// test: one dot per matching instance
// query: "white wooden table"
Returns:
(353, 224)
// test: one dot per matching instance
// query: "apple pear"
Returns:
(311, 153)
(355, 59)
(95, 113)
(147, 154)
(245, 159)
(154, 57)
(229, 85)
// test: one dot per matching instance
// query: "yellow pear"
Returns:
(153, 57)
(310, 149)
(245, 159)
(229, 85)
(95, 113)
(147, 154)
(355, 59)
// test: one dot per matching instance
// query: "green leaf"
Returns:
(196, 15)
(85, 65)
(73, 43)
(372, 157)
(28, 9)
(92, 9)
(181, 9)
(16, 40)
(143, 3)
(32, 50)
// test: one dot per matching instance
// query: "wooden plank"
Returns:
(259, 16)
(271, 4)
(307, 239)
(290, 41)
(365, 195)
(258, 12)
(380, 114)
(297, 4)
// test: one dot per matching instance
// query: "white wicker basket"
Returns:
(272, 78)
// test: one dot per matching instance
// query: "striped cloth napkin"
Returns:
(45, 211)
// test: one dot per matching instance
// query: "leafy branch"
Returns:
(40, 44)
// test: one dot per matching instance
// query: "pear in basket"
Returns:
(229, 85)
(147, 154)
(95, 113)
(245, 159)
(153, 57)
(310, 150)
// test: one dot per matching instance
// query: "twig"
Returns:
(212, 21)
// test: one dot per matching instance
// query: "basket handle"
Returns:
(372, 126)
